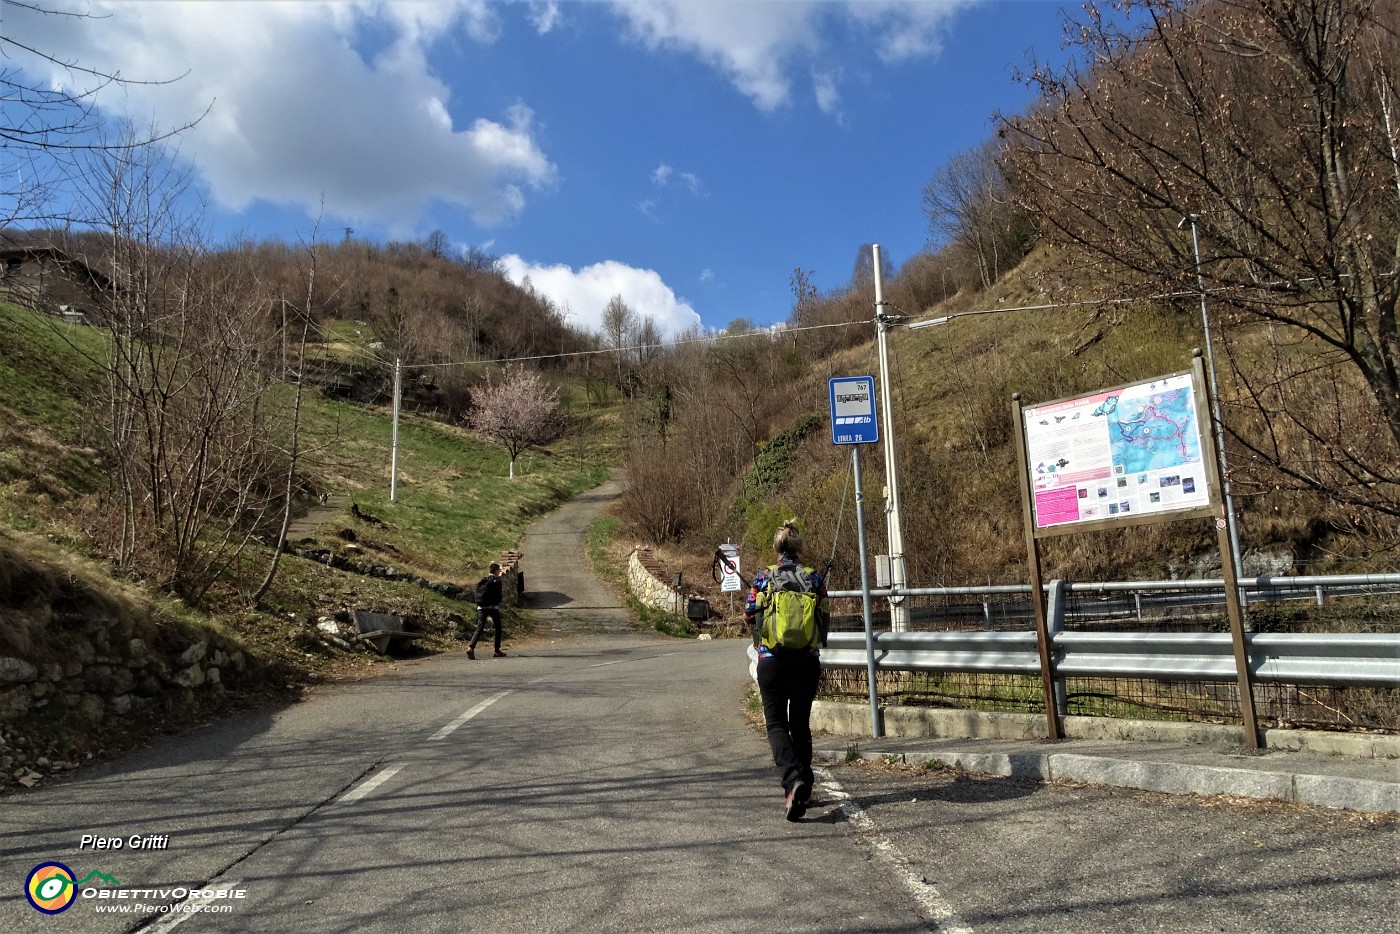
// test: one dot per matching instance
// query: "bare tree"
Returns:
(1270, 124)
(520, 411)
(294, 446)
(863, 269)
(970, 207)
(437, 244)
(189, 362)
(648, 341)
(46, 127)
(619, 327)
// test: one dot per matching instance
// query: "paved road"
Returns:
(560, 587)
(604, 784)
(609, 782)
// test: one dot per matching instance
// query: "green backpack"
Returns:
(788, 604)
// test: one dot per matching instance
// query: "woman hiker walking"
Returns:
(787, 609)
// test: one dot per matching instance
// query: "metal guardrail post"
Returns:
(1054, 624)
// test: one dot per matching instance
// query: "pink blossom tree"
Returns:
(520, 411)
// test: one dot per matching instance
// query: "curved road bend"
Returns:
(608, 783)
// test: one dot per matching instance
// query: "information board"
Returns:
(1120, 454)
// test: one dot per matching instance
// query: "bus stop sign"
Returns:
(853, 410)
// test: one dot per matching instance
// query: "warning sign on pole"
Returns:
(729, 568)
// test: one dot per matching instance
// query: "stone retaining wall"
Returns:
(649, 582)
(106, 667)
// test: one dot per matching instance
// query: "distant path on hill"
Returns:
(561, 590)
(308, 525)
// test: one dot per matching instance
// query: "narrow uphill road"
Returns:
(560, 587)
(599, 782)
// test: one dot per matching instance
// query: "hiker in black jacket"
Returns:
(488, 605)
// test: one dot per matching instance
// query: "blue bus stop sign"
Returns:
(853, 410)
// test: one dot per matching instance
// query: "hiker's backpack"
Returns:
(788, 608)
(488, 591)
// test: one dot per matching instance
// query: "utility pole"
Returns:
(899, 613)
(394, 448)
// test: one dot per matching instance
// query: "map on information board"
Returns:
(1117, 454)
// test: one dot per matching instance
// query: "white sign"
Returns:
(729, 569)
(1117, 454)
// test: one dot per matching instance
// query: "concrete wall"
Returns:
(931, 722)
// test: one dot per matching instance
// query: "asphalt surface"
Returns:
(601, 779)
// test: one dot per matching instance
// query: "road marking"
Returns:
(447, 730)
(929, 900)
(175, 919)
(622, 661)
(369, 785)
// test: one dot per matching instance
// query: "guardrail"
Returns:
(1142, 599)
(1283, 665)
(1353, 659)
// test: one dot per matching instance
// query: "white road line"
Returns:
(369, 785)
(176, 918)
(623, 661)
(447, 730)
(930, 901)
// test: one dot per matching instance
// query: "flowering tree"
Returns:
(520, 411)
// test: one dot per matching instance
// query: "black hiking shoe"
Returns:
(795, 804)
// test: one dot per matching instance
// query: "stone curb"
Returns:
(1165, 777)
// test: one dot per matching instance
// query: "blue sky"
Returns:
(685, 154)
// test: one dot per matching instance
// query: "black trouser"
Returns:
(482, 613)
(787, 683)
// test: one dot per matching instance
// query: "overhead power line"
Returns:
(710, 339)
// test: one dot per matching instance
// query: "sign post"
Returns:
(853, 422)
(1126, 456)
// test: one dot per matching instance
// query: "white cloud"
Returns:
(907, 30)
(755, 44)
(707, 275)
(299, 114)
(745, 41)
(586, 292)
(828, 94)
(663, 175)
(545, 16)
